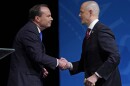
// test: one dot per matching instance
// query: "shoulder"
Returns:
(29, 27)
(28, 30)
(101, 28)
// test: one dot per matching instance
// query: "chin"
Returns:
(48, 26)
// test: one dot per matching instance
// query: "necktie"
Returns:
(88, 33)
(41, 36)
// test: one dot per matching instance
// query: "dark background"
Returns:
(14, 14)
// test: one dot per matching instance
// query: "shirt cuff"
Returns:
(98, 75)
(71, 66)
(57, 63)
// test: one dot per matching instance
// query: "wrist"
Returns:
(57, 63)
(96, 76)
(70, 66)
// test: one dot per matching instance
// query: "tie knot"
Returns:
(88, 32)
(88, 29)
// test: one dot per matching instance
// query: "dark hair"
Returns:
(35, 11)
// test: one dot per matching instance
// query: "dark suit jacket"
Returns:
(100, 54)
(29, 58)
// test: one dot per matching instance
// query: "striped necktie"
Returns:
(41, 36)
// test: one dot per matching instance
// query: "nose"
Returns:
(51, 18)
(79, 15)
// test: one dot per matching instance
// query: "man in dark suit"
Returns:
(100, 56)
(29, 61)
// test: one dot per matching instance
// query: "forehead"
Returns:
(45, 10)
(83, 6)
(81, 9)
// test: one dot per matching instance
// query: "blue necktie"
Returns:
(41, 36)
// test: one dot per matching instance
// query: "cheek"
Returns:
(83, 17)
(86, 17)
(44, 21)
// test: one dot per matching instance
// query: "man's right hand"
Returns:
(65, 64)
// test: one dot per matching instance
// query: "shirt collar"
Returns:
(93, 24)
(38, 29)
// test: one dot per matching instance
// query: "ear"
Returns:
(37, 18)
(91, 12)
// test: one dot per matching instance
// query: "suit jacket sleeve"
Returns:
(35, 50)
(109, 48)
(78, 66)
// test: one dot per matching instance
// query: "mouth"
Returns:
(50, 22)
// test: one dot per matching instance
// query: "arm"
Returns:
(74, 67)
(35, 50)
(111, 54)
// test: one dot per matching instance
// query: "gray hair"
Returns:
(94, 7)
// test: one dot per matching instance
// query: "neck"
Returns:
(41, 28)
(92, 19)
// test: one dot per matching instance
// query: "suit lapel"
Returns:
(95, 29)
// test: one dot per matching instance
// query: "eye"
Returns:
(48, 15)
(81, 12)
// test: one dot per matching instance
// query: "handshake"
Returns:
(63, 64)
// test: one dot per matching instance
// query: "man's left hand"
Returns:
(90, 81)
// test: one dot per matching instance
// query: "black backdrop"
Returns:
(14, 14)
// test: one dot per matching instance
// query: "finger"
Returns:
(62, 59)
(89, 83)
(93, 84)
(63, 63)
(45, 74)
(45, 71)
